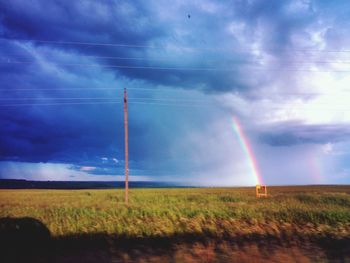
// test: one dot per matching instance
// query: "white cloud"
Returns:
(327, 148)
(87, 168)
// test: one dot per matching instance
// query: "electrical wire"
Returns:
(181, 104)
(114, 99)
(178, 89)
(147, 100)
(91, 89)
(163, 47)
(177, 68)
(98, 103)
(167, 58)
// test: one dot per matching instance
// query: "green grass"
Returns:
(317, 210)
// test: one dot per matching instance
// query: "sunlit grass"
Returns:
(205, 211)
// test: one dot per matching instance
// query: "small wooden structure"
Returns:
(261, 191)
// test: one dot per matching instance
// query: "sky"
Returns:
(220, 93)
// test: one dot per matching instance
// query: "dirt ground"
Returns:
(211, 251)
(28, 240)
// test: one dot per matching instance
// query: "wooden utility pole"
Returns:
(126, 147)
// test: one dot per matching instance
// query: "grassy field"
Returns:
(219, 212)
(294, 224)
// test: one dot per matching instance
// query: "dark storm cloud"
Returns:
(203, 41)
(33, 136)
(82, 135)
(77, 21)
(288, 134)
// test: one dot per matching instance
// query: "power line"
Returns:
(50, 98)
(98, 103)
(170, 99)
(79, 43)
(177, 89)
(102, 57)
(91, 89)
(58, 103)
(167, 58)
(163, 47)
(331, 109)
(113, 99)
(177, 68)
(172, 104)
(151, 100)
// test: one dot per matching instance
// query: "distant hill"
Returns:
(24, 184)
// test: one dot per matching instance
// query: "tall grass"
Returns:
(205, 211)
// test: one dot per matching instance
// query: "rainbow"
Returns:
(316, 171)
(247, 149)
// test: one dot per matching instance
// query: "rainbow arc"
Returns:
(248, 150)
